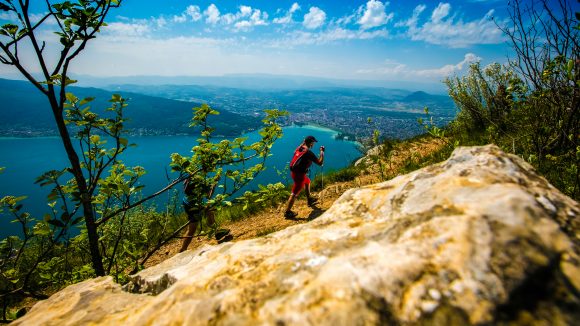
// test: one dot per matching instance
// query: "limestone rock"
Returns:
(477, 239)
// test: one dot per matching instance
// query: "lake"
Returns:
(27, 158)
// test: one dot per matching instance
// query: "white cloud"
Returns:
(9, 16)
(254, 17)
(127, 29)
(314, 18)
(288, 17)
(374, 14)
(180, 19)
(440, 12)
(295, 7)
(212, 13)
(257, 18)
(411, 23)
(444, 29)
(193, 12)
(448, 70)
(327, 36)
(243, 20)
(342, 21)
(395, 69)
(151, 56)
(159, 22)
(34, 18)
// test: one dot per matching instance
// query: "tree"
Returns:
(545, 37)
(78, 23)
(531, 106)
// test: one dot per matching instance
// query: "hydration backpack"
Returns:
(298, 153)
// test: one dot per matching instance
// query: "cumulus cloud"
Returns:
(314, 18)
(374, 14)
(288, 17)
(159, 22)
(450, 69)
(243, 20)
(295, 7)
(440, 12)
(444, 29)
(327, 36)
(212, 14)
(256, 18)
(399, 70)
(192, 12)
(139, 28)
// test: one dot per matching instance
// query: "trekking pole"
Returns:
(322, 183)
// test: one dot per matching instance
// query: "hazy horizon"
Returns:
(247, 81)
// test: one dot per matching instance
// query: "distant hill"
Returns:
(25, 110)
(261, 82)
(397, 103)
(421, 96)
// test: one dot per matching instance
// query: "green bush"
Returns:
(343, 175)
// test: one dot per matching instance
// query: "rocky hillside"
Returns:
(477, 239)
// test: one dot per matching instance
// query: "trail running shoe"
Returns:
(221, 234)
(312, 201)
(290, 214)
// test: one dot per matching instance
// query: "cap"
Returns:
(310, 139)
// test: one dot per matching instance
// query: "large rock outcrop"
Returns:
(477, 239)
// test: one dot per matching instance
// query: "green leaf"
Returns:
(77, 220)
(123, 141)
(41, 231)
(95, 139)
(86, 100)
(52, 195)
(9, 29)
(570, 69)
(71, 98)
(56, 223)
(46, 276)
(65, 217)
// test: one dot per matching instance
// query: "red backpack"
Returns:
(298, 153)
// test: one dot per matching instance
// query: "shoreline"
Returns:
(318, 127)
(31, 137)
(311, 126)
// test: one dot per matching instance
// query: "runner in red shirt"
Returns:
(301, 161)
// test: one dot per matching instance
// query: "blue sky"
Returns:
(361, 39)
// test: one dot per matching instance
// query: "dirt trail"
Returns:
(272, 220)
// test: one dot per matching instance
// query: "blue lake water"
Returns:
(27, 158)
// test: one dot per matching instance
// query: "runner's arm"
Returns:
(318, 160)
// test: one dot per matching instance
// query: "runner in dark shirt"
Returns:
(301, 162)
(198, 189)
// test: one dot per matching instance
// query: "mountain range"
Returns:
(259, 82)
(25, 111)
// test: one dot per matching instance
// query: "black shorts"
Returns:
(194, 213)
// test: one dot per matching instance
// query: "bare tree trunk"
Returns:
(77, 172)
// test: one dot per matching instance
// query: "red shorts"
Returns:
(300, 180)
